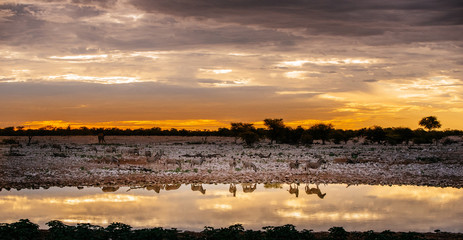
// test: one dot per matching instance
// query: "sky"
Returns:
(203, 64)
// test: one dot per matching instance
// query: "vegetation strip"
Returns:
(26, 230)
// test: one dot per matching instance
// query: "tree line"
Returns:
(275, 130)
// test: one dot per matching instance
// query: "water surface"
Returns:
(356, 208)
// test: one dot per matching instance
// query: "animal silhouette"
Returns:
(198, 187)
(316, 190)
(249, 187)
(294, 190)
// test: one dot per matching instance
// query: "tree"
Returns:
(430, 123)
(376, 134)
(321, 131)
(275, 128)
(239, 128)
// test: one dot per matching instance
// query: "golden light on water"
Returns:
(399, 208)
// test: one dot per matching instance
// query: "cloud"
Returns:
(340, 18)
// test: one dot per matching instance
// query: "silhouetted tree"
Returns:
(376, 134)
(430, 123)
(239, 128)
(321, 131)
(399, 135)
(275, 128)
(249, 137)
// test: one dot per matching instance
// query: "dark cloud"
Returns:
(99, 3)
(333, 17)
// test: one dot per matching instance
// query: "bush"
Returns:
(338, 233)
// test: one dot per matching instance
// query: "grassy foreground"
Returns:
(24, 230)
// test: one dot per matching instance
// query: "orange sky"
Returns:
(204, 64)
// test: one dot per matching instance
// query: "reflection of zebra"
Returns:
(317, 191)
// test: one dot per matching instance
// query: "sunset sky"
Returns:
(199, 64)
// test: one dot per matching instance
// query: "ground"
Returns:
(81, 161)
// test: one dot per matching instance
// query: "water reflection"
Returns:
(399, 208)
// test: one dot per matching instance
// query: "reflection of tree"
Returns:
(316, 190)
(249, 187)
(273, 185)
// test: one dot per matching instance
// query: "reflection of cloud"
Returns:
(330, 216)
(354, 207)
(436, 195)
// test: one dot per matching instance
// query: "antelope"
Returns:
(111, 150)
(247, 164)
(198, 187)
(249, 187)
(294, 190)
(94, 149)
(156, 157)
(294, 164)
(314, 165)
(173, 161)
(317, 191)
(57, 147)
(233, 164)
(147, 154)
(133, 151)
(197, 161)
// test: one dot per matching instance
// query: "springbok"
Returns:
(317, 191)
(134, 151)
(314, 165)
(173, 161)
(198, 187)
(232, 164)
(295, 164)
(156, 157)
(197, 161)
(147, 154)
(249, 187)
(247, 164)
(111, 150)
